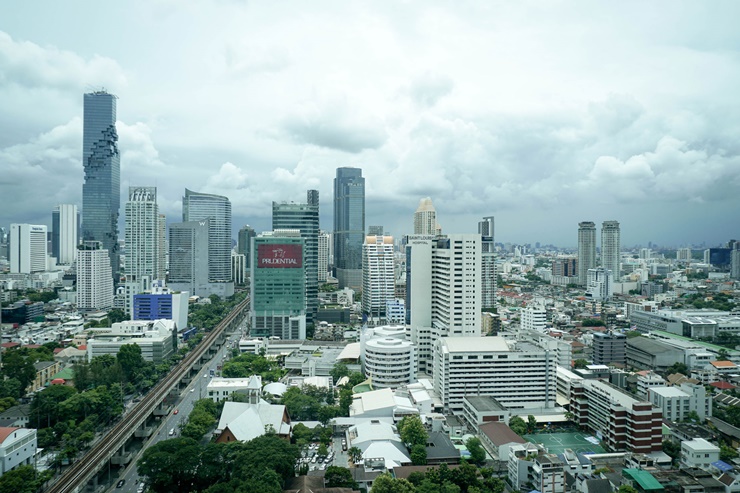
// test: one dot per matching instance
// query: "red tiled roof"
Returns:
(57, 381)
(5, 432)
(723, 364)
(83, 347)
(8, 345)
(58, 349)
(722, 385)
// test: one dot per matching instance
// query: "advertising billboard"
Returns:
(274, 256)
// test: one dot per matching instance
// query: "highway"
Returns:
(76, 477)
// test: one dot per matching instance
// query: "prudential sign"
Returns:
(280, 256)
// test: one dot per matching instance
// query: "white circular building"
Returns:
(390, 362)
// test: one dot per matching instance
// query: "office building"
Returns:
(442, 290)
(160, 302)
(278, 285)
(488, 263)
(244, 241)
(101, 160)
(517, 374)
(389, 362)
(586, 250)
(323, 257)
(349, 226)
(142, 241)
(610, 248)
(622, 422)
(217, 210)
(239, 269)
(425, 218)
(534, 317)
(157, 339)
(375, 230)
(189, 257)
(683, 255)
(564, 271)
(28, 248)
(64, 229)
(163, 247)
(735, 263)
(600, 284)
(304, 218)
(609, 347)
(94, 279)
(676, 402)
(378, 277)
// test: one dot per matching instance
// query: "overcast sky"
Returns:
(542, 114)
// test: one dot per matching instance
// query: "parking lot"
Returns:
(315, 461)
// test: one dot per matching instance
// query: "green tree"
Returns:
(23, 479)
(15, 365)
(45, 404)
(339, 477)
(677, 368)
(580, 363)
(518, 425)
(727, 453)
(170, 465)
(632, 334)
(116, 315)
(387, 484)
(131, 361)
(355, 455)
(418, 455)
(531, 424)
(477, 452)
(338, 371)
(355, 378)
(345, 400)
(412, 431)
(323, 451)
(625, 488)
(6, 403)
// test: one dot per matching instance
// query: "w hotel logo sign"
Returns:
(280, 256)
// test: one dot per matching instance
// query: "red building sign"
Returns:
(280, 256)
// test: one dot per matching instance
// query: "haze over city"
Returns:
(542, 115)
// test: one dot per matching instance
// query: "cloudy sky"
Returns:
(542, 114)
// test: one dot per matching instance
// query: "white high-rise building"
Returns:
(425, 218)
(378, 276)
(610, 247)
(488, 262)
(162, 256)
(534, 317)
(443, 290)
(683, 254)
(94, 277)
(28, 248)
(586, 250)
(323, 255)
(646, 253)
(599, 287)
(65, 228)
(517, 374)
(143, 236)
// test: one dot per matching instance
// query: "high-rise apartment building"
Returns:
(304, 218)
(586, 250)
(188, 243)
(610, 248)
(349, 226)
(64, 229)
(28, 248)
(94, 279)
(142, 234)
(323, 260)
(244, 240)
(609, 347)
(488, 263)
(425, 218)
(735, 263)
(442, 289)
(683, 254)
(599, 285)
(278, 285)
(163, 248)
(378, 276)
(101, 160)
(217, 210)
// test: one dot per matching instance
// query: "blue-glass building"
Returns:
(101, 161)
(349, 226)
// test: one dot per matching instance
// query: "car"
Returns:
(176, 411)
(192, 390)
(172, 432)
(121, 483)
(142, 487)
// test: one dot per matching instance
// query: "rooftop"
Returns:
(475, 344)
(483, 403)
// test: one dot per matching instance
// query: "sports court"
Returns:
(556, 443)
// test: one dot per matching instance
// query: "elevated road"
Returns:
(75, 479)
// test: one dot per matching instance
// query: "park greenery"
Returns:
(414, 435)
(207, 315)
(18, 371)
(467, 478)
(183, 465)
(202, 419)
(248, 364)
(23, 479)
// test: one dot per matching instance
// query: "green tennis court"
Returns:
(556, 443)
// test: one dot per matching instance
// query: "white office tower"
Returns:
(425, 219)
(162, 257)
(683, 254)
(599, 286)
(378, 277)
(388, 359)
(517, 374)
(94, 277)
(534, 317)
(488, 263)
(142, 234)
(64, 227)
(646, 253)
(586, 250)
(323, 256)
(610, 248)
(442, 290)
(28, 248)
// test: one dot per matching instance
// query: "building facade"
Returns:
(323, 256)
(142, 241)
(390, 362)
(378, 276)
(610, 247)
(28, 248)
(349, 226)
(244, 241)
(599, 286)
(64, 231)
(488, 263)
(94, 279)
(425, 218)
(101, 161)
(189, 257)
(609, 347)
(586, 250)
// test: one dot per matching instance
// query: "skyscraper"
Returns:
(142, 234)
(323, 258)
(94, 279)
(349, 226)
(27, 248)
(64, 230)
(586, 250)
(162, 232)
(610, 248)
(425, 218)
(188, 243)
(304, 218)
(243, 242)
(101, 192)
(378, 276)
(488, 263)
(217, 210)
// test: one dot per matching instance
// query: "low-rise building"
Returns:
(17, 447)
(698, 453)
(44, 371)
(678, 401)
(243, 421)
(498, 439)
(220, 389)
(156, 339)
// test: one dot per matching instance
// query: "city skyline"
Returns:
(489, 109)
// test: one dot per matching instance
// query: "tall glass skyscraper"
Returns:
(349, 226)
(200, 206)
(101, 192)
